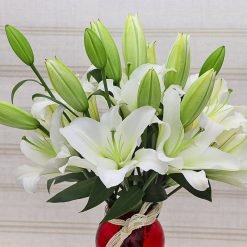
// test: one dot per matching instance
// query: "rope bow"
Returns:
(137, 221)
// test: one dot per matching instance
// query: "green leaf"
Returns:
(214, 61)
(71, 177)
(155, 193)
(38, 95)
(98, 195)
(180, 179)
(128, 201)
(77, 191)
(96, 74)
(100, 92)
(18, 85)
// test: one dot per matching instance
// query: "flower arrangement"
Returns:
(132, 136)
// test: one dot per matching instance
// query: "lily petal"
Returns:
(111, 119)
(148, 160)
(211, 158)
(57, 140)
(113, 177)
(197, 180)
(236, 178)
(29, 176)
(171, 116)
(86, 136)
(132, 128)
(33, 152)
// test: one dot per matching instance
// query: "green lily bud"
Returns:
(134, 44)
(15, 117)
(179, 60)
(151, 55)
(20, 45)
(197, 97)
(214, 61)
(149, 92)
(113, 68)
(67, 85)
(95, 49)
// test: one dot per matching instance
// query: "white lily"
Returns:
(108, 146)
(190, 152)
(47, 154)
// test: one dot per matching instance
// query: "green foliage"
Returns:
(127, 202)
(180, 179)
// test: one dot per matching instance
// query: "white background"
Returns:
(55, 27)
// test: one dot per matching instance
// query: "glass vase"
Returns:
(147, 236)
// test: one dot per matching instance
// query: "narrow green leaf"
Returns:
(155, 193)
(96, 74)
(18, 85)
(77, 191)
(128, 201)
(98, 195)
(100, 92)
(71, 177)
(214, 61)
(180, 179)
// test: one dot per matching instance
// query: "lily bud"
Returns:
(197, 97)
(134, 44)
(151, 55)
(67, 85)
(214, 61)
(95, 49)
(15, 117)
(113, 68)
(149, 92)
(20, 45)
(178, 61)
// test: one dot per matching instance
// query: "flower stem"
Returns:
(41, 80)
(174, 191)
(106, 88)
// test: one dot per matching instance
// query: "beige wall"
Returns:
(55, 28)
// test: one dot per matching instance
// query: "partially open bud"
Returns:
(20, 45)
(197, 97)
(113, 68)
(151, 55)
(95, 49)
(178, 61)
(67, 85)
(15, 117)
(149, 92)
(134, 44)
(214, 61)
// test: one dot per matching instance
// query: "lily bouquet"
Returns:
(129, 136)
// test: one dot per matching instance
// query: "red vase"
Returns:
(147, 236)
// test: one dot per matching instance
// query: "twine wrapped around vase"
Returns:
(136, 221)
